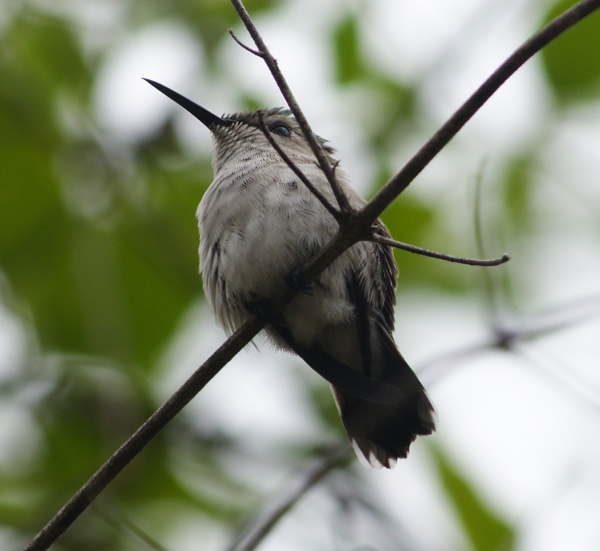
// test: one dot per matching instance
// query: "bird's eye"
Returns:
(280, 129)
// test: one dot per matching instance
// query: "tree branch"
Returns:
(144, 435)
(349, 234)
(310, 136)
(257, 528)
(296, 169)
(505, 336)
(359, 224)
(245, 46)
(432, 254)
(557, 319)
(450, 128)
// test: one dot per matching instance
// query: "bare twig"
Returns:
(450, 128)
(257, 528)
(432, 254)
(245, 46)
(294, 167)
(350, 233)
(115, 518)
(505, 336)
(513, 339)
(563, 376)
(143, 435)
(360, 223)
(310, 136)
(489, 290)
(562, 317)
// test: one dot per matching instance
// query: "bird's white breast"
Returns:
(257, 223)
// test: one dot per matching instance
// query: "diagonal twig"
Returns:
(257, 528)
(402, 179)
(433, 254)
(264, 53)
(143, 435)
(296, 169)
(245, 46)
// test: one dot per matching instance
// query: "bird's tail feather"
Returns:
(382, 416)
(383, 432)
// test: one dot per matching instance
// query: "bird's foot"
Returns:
(264, 309)
(296, 282)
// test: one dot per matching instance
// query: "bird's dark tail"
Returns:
(382, 412)
(383, 433)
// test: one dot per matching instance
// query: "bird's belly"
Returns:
(258, 246)
(254, 266)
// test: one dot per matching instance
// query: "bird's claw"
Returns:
(296, 282)
(264, 309)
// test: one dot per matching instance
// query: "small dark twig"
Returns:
(281, 82)
(257, 528)
(505, 336)
(489, 289)
(143, 435)
(116, 518)
(245, 46)
(432, 254)
(403, 178)
(294, 167)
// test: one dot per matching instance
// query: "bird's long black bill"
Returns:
(207, 118)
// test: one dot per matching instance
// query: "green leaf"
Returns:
(517, 191)
(571, 61)
(348, 64)
(484, 527)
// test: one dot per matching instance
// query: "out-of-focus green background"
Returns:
(102, 312)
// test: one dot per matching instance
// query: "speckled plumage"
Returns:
(258, 223)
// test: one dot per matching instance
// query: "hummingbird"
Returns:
(258, 224)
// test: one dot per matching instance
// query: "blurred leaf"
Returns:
(30, 140)
(395, 104)
(408, 218)
(211, 19)
(413, 222)
(348, 63)
(154, 300)
(486, 530)
(571, 61)
(51, 48)
(517, 191)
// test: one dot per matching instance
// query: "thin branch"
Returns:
(246, 47)
(360, 223)
(260, 526)
(143, 435)
(281, 82)
(563, 376)
(450, 128)
(432, 254)
(257, 528)
(296, 169)
(346, 236)
(117, 518)
(512, 339)
(507, 336)
(490, 293)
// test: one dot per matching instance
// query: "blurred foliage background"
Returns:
(102, 308)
